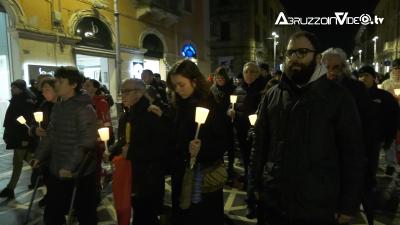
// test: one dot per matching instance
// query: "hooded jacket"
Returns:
(392, 83)
(309, 140)
(71, 134)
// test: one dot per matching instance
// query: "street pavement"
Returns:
(14, 212)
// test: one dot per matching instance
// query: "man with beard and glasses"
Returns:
(308, 144)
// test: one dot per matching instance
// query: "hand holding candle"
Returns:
(22, 120)
(201, 117)
(38, 117)
(104, 136)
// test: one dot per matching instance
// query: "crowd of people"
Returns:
(310, 159)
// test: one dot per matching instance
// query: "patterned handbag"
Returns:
(214, 177)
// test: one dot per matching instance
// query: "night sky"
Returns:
(332, 35)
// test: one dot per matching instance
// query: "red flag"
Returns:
(121, 187)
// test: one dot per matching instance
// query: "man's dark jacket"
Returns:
(14, 132)
(146, 151)
(310, 142)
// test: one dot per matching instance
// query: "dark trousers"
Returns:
(231, 149)
(209, 211)
(275, 217)
(59, 194)
(367, 201)
(245, 145)
(145, 210)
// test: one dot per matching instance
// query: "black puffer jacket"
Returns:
(310, 142)
(249, 97)
(222, 95)
(71, 133)
(384, 110)
(14, 132)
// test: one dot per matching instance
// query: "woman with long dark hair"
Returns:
(204, 203)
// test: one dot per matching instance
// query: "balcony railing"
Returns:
(166, 12)
(171, 6)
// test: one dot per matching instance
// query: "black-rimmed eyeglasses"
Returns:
(299, 53)
(128, 90)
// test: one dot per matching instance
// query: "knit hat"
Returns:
(21, 84)
(367, 69)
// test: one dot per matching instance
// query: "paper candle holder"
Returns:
(397, 91)
(104, 134)
(22, 120)
(200, 118)
(253, 119)
(38, 117)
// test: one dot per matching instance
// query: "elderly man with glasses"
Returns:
(141, 140)
(308, 144)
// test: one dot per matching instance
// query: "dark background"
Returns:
(331, 36)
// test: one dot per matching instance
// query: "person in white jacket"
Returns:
(394, 81)
(389, 85)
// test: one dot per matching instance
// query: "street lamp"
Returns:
(117, 45)
(275, 36)
(375, 56)
(359, 56)
(351, 62)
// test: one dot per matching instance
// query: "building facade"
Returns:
(241, 31)
(40, 35)
(388, 32)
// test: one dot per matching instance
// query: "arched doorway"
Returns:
(5, 65)
(153, 58)
(95, 57)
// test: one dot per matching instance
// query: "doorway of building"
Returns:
(5, 74)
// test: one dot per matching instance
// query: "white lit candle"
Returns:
(104, 134)
(380, 86)
(397, 91)
(233, 100)
(38, 117)
(201, 115)
(22, 120)
(253, 119)
(200, 118)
